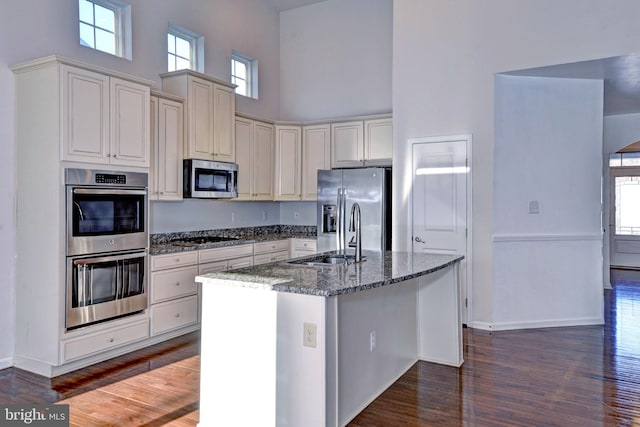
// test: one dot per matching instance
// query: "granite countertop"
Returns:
(182, 242)
(378, 270)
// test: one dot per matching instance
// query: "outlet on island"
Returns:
(309, 339)
(372, 340)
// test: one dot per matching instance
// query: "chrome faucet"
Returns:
(354, 225)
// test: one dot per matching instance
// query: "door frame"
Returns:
(615, 172)
(467, 309)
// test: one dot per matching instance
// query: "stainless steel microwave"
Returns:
(205, 179)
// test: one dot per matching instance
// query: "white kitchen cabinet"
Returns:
(265, 252)
(226, 258)
(361, 143)
(378, 142)
(302, 247)
(105, 119)
(210, 106)
(316, 154)
(167, 131)
(254, 156)
(174, 294)
(63, 115)
(288, 166)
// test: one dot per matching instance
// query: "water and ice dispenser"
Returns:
(329, 218)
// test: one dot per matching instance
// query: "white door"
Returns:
(441, 202)
(624, 218)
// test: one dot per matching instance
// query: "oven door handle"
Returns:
(89, 261)
(109, 192)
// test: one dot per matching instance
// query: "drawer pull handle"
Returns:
(177, 259)
(111, 340)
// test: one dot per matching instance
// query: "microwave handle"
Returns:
(89, 261)
(109, 192)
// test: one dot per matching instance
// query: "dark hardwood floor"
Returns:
(577, 376)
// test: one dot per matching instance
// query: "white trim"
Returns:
(498, 238)
(484, 326)
(5, 363)
(469, 250)
(549, 323)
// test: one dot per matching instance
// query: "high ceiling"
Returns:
(621, 75)
(282, 5)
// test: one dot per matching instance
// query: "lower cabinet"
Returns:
(175, 314)
(266, 252)
(174, 294)
(221, 259)
(98, 342)
(303, 247)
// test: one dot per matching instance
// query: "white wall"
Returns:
(547, 266)
(33, 29)
(336, 59)
(445, 56)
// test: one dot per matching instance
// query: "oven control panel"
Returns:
(105, 178)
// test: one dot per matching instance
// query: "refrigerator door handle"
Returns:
(339, 220)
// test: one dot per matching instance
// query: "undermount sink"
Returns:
(326, 261)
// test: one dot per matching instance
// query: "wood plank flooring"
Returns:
(578, 376)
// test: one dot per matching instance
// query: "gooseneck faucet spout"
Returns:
(354, 225)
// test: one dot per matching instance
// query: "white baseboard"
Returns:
(551, 323)
(6, 363)
(485, 326)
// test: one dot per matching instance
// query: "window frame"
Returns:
(251, 65)
(122, 27)
(196, 46)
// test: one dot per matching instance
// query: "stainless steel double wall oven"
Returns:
(107, 240)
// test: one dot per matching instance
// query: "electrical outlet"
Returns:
(372, 340)
(309, 339)
(233, 217)
(264, 215)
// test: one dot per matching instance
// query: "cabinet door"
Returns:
(316, 149)
(378, 146)
(288, 156)
(85, 115)
(153, 134)
(169, 149)
(347, 144)
(200, 118)
(130, 123)
(244, 157)
(263, 159)
(224, 110)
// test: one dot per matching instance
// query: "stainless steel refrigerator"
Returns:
(338, 190)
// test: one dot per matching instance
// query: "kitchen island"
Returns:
(300, 345)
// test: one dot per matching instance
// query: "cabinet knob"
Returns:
(178, 315)
(114, 156)
(177, 259)
(111, 340)
(177, 283)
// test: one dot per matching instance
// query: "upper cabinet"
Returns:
(288, 163)
(316, 154)
(362, 143)
(254, 156)
(210, 114)
(105, 119)
(167, 134)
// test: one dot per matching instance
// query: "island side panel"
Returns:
(439, 317)
(301, 369)
(364, 373)
(238, 356)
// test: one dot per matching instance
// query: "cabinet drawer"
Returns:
(270, 257)
(304, 244)
(174, 314)
(246, 261)
(279, 245)
(212, 267)
(173, 283)
(162, 262)
(218, 254)
(105, 340)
